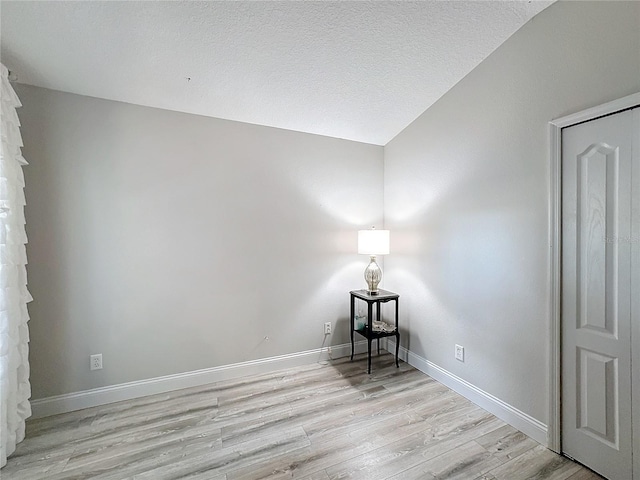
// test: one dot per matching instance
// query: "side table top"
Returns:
(381, 295)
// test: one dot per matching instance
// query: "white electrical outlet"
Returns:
(327, 328)
(460, 353)
(96, 361)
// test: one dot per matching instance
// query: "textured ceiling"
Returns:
(357, 70)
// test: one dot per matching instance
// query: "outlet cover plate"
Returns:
(460, 353)
(95, 361)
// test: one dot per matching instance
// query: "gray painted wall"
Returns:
(171, 242)
(467, 193)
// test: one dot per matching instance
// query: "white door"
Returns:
(599, 166)
(635, 292)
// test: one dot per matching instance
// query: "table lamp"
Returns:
(373, 242)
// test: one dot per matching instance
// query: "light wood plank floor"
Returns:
(316, 422)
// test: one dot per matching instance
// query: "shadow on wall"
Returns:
(315, 309)
(417, 295)
(460, 262)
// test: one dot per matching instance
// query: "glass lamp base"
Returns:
(373, 276)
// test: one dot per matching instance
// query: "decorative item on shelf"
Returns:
(379, 326)
(373, 242)
(360, 321)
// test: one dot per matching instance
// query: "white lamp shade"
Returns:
(373, 242)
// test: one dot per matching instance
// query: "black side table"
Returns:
(383, 296)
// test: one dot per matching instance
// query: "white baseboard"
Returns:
(69, 402)
(514, 417)
(44, 407)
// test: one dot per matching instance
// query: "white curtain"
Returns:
(15, 389)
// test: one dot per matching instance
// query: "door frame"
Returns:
(554, 440)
